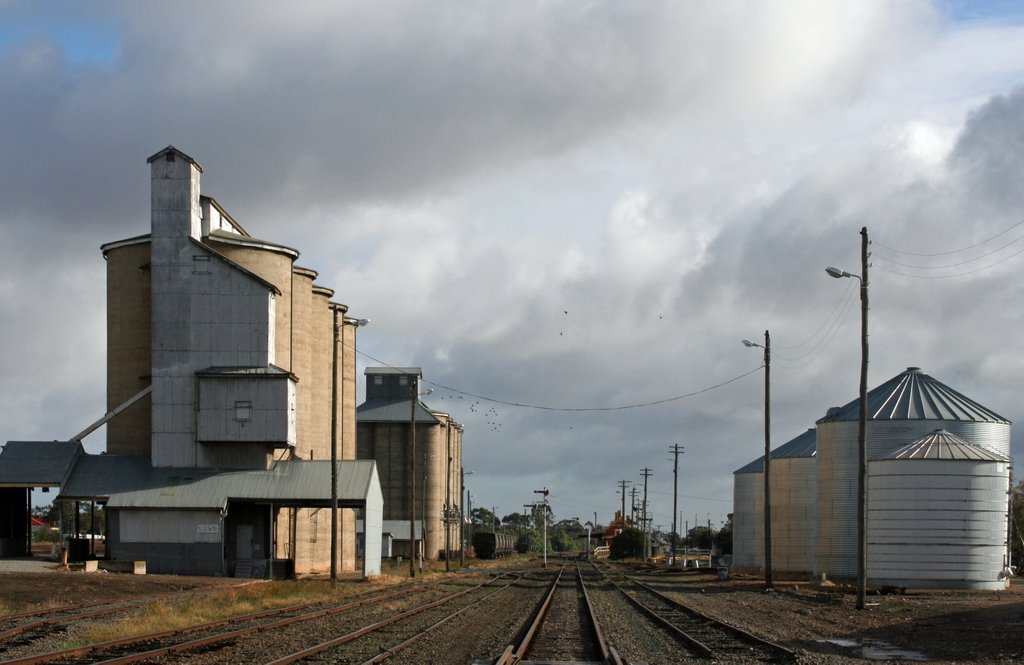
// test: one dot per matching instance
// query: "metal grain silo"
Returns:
(937, 511)
(748, 516)
(793, 505)
(901, 410)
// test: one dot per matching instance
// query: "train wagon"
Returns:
(493, 545)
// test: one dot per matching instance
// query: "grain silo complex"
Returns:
(230, 390)
(937, 492)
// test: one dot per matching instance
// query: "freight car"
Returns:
(493, 545)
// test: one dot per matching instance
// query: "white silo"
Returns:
(937, 511)
(902, 409)
(748, 516)
(793, 509)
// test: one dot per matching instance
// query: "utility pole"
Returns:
(413, 398)
(646, 473)
(676, 451)
(862, 443)
(448, 500)
(622, 489)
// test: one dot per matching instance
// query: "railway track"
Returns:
(564, 628)
(155, 645)
(398, 632)
(702, 635)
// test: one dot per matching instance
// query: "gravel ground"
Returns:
(945, 626)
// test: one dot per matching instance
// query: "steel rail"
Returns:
(365, 630)
(702, 649)
(608, 652)
(513, 654)
(402, 645)
(78, 652)
(736, 630)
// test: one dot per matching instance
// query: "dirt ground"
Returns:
(821, 624)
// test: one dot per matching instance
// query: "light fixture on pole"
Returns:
(767, 454)
(338, 341)
(462, 514)
(862, 445)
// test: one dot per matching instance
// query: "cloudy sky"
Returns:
(569, 214)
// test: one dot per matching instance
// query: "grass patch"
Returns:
(164, 615)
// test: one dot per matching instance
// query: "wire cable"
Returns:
(959, 274)
(839, 302)
(543, 407)
(949, 265)
(954, 251)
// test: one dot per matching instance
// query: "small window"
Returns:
(378, 380)
(403, 381)
(243, 411)
(201, 265)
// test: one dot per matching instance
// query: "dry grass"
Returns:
(161, 616)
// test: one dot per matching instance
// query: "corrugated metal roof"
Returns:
(37, 463)
(393, 411)
(943, 445)
(914, 395)
(804, 445)
(130, 482)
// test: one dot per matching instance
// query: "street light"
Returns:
(862, 444)
(356, 323)
(767, 346)
(462, 514)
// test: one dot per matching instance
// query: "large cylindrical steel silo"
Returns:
(748, 516)
(901, 410)
(937, 511)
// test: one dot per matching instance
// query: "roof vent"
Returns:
(915, 370)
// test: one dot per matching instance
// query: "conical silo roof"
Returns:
(914, 395)
(943, 445)
(802, 446)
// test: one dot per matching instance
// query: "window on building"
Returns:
(201, 265)
(243, 411)
(378, 380)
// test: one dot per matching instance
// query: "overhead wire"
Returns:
(542, 407)
(886, 262)
(952, 251)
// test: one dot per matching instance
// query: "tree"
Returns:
(723, 539)
(484, 519)
(516, 521)
(1017, 525)
(629, 543)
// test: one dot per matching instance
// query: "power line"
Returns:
(952, 275)
(543, 407)
(953, 251)
(845, 294)
(948, 265)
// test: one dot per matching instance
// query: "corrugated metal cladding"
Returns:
(794, 508)
(920, 399)
(392, 411)
(937, 515)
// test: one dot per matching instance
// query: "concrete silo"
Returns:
(937, 511)
(903, 409)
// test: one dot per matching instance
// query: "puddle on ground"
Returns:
(878, 650)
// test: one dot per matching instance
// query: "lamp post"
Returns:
(357, 323)
(462, 515)
(862, 444)
(767, 454)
